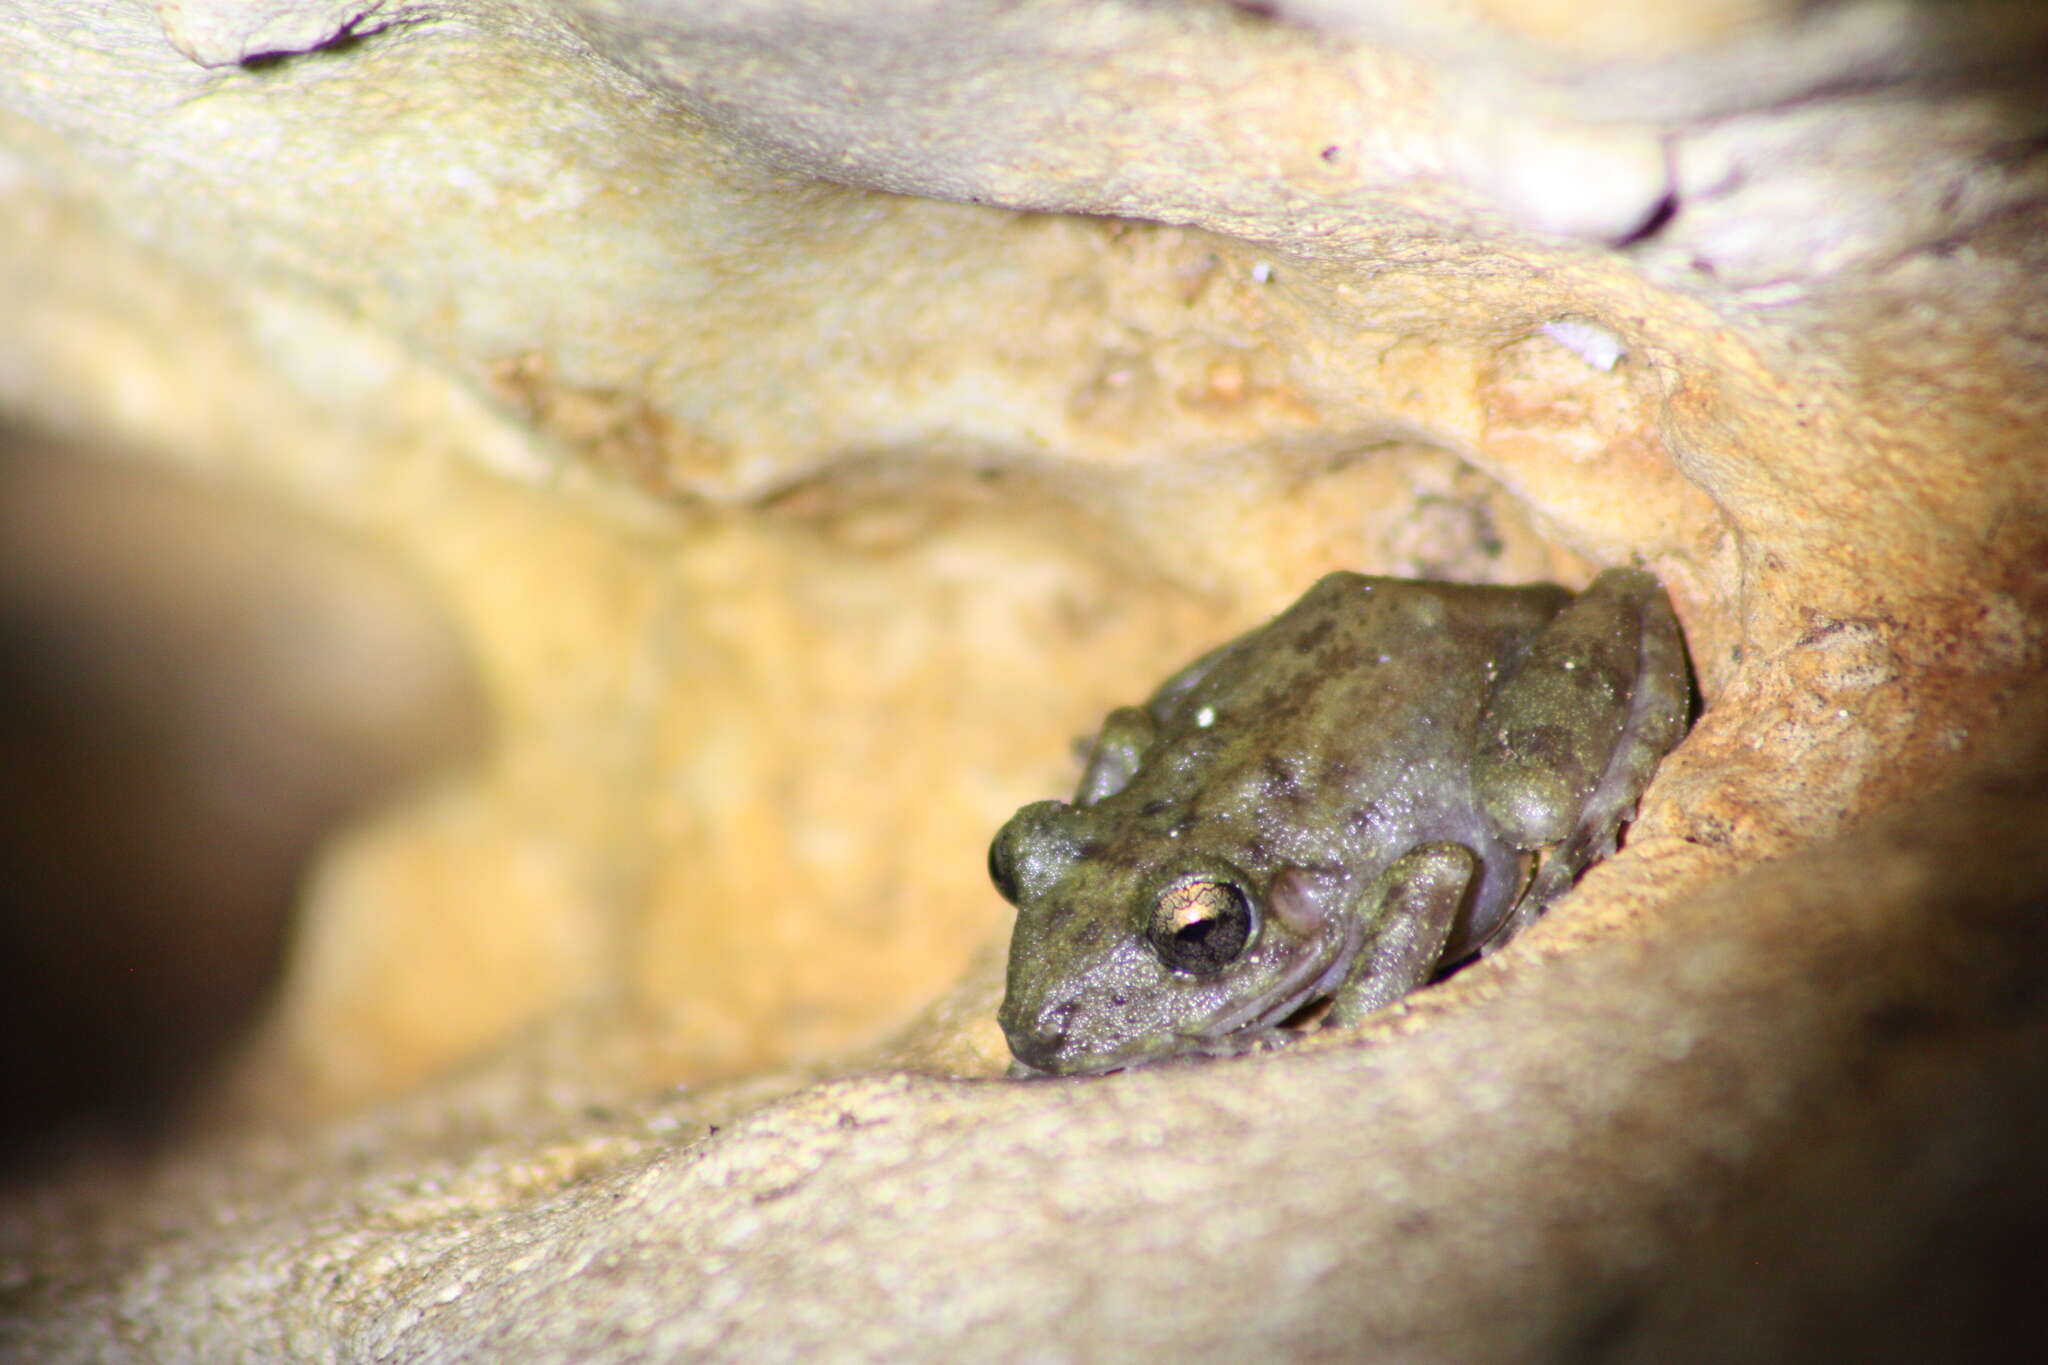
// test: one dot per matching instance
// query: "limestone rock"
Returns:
(811, 415)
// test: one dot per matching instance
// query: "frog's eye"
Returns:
(1201, 924)
(1030, 852)
(1002, 866)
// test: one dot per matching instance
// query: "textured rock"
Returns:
(810, 416)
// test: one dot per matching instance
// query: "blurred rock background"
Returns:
(698, 467)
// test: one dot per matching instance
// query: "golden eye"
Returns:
(1201, 924)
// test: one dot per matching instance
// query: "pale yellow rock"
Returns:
(810, 417)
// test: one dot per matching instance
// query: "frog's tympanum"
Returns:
(1330, 811)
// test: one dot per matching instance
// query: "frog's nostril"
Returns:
(1053, 1020)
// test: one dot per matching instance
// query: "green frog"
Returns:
(1331, 810)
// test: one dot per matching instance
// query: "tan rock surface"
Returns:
(1793, 1118)
(802, 469)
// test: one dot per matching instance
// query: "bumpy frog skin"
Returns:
(1332, 808)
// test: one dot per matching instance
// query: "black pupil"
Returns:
(1214, 938)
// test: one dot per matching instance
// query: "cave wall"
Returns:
(808, 418)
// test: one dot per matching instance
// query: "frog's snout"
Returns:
(1037, 1035)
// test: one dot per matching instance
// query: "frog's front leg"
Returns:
(1570, 739)
(1408, 910)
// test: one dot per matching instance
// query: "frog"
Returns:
(1388, 780)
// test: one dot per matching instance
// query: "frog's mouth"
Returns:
(1306, 984)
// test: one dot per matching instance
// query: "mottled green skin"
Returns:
(1335, 806)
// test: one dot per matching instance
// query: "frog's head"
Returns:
(1125, 955)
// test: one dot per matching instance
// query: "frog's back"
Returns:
(1359, 656)
(1341, 731)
